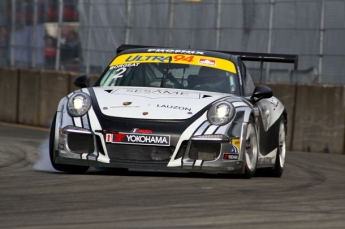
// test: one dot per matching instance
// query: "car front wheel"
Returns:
(281, 151)
(251, 150)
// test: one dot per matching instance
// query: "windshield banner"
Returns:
(136, 58)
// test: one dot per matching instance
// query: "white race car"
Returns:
(172, 109)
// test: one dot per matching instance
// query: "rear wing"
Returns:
(124, 47)
(245, 56)
(265, 57)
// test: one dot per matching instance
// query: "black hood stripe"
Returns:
(202, 128)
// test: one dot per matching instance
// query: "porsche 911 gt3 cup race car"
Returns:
(172, 109)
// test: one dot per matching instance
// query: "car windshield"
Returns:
(202, 76)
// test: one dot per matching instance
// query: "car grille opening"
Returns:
(99, 145)
(80, 143)
(139, 152)
(200, 150)
(181, 150)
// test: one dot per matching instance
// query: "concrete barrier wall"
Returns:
(319, 119)
(29, 97)
(316, 113)
(53, 86)
(8, 94)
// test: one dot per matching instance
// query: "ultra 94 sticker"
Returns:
(138, 139)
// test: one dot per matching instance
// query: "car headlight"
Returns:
(79, 104)
(220, 113)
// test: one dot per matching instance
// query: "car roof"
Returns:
(229, 55)
(198, 52)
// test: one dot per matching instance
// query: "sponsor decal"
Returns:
(124, 66)
(137, 130)
(138, 139)
(176, 51)
(176, 56)
(144, 58)
(175, 107)
(236, 145)
(108, 137)
(234, 149)
(152, 58)
(230, 156)
(207, 61)
(159, 91)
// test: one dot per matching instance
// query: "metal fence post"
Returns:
(171, 21)
(322, 30)
(88, 51)
(34, 36)
(13, 23)
(58, 51)
(128, 17)
(218, 28)
(269, 41)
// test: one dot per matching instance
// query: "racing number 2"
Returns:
(183, 58)
(119, 72)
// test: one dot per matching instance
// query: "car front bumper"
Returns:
(79, 146)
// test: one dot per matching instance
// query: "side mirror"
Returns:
(82, 81)
(261, 92)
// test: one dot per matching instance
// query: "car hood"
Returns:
(153, 103)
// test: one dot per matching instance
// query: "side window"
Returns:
(248, 83)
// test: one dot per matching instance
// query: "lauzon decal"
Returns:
(175, 107)
(176, 51)
(132, 138)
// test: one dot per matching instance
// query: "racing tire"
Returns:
(251, 151)
(60, 167)
(278, 168)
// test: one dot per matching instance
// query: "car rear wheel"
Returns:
(281, 151)
(251, 151)
(60, 167)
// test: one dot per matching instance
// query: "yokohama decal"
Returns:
(138, 139)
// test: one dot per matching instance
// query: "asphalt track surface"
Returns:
(311, 193)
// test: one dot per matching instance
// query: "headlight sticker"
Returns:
(78, 104)
(220, 113)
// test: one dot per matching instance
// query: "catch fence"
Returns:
(82, 35)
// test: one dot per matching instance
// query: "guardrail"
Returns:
(316, 113)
